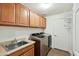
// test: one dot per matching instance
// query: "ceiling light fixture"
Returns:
(45, 5)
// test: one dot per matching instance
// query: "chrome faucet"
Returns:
(14, 41)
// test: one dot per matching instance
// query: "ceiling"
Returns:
(55, 8)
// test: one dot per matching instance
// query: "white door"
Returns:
(60, 34)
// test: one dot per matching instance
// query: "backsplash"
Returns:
(9, 33)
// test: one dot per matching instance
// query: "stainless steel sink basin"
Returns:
(21, 43)
(15, 45)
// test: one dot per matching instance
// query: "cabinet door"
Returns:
(17, 13)
(42, 22)
(34, 19)
(0, 12)
(8, 13)
(37, 23)
(29, 52)
(22, 15)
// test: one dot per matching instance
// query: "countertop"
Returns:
(3, 52)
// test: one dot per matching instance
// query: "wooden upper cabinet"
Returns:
(34, 19)
(22, 15)
(7, 14)
(42, 22)
(0, 12)
(17, 14)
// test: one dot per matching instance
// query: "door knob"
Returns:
(55, 35)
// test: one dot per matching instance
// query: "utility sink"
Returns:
(15, 45)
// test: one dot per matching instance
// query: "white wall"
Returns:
(76, 29)
(8, 33)
(57, 25)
